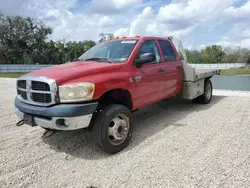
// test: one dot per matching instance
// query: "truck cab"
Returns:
(102, 88)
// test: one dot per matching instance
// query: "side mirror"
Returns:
(145, 58)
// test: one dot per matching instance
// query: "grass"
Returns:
(11, 75)
(235, 71)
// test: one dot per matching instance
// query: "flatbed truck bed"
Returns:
(193, 79)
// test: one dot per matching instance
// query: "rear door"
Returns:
(173, 68)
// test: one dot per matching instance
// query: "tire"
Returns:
(208, 93)
(113, 128)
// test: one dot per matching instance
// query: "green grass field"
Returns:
(235, 71)
(11, 75)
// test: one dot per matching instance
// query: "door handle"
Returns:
(178, 67)
(161, 70)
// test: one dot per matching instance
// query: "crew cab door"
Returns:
(173, 68)
(149, 80)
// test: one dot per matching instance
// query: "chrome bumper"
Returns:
(60, 123)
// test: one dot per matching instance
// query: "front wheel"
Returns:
(113, 128)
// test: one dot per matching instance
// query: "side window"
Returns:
(167, 50)
(150, 46)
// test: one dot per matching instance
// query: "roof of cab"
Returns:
(137, 37)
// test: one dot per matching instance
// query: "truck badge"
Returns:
(137, 78)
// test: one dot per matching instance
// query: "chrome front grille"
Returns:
(40, 91)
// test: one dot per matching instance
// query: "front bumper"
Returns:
(58, 117)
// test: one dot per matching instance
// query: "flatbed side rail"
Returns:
(207, 74)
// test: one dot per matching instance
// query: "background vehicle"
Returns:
(103, 87)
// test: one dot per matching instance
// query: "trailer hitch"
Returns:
(20, 123)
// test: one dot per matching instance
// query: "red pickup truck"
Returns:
(103, 87)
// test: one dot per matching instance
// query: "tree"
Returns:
(212, 54)
(194, 57)
(105, 36)
(217, 54)
(76, 49)
(21, 38)
(245, 58)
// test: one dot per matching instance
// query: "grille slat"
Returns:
(40, 86)
(40, 97)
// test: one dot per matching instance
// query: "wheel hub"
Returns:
(118, 129)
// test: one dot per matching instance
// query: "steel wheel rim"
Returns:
(118, 129)
(208, 91)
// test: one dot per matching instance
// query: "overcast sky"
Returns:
(197, 22)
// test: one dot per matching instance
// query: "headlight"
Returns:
(76, 92)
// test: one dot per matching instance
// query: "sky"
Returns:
(197, 22)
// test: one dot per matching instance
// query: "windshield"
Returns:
(114, 51)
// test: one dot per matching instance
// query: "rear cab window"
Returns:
(167, 50)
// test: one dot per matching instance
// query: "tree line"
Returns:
(25, 41)
(217, 54)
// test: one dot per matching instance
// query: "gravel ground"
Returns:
(175, 144)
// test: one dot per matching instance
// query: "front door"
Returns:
(149, 80)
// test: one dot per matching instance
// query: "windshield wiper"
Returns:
(98, 59)
(77, 59)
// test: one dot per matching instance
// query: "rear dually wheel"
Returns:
(208, 93)
(206, 97)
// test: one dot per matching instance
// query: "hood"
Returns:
(65, 72)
